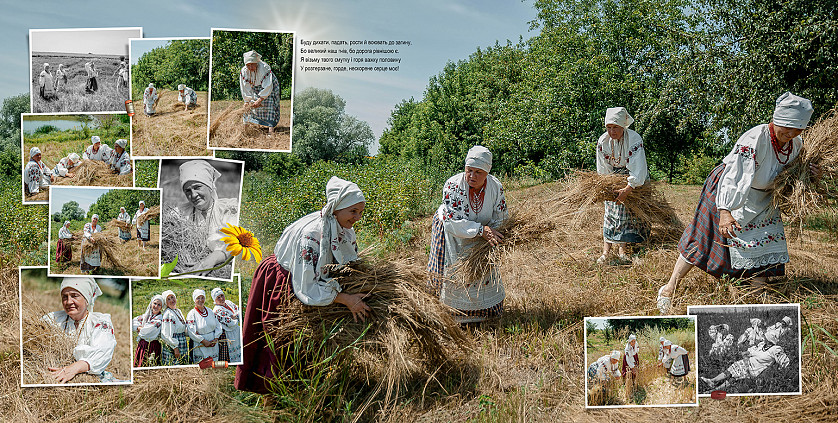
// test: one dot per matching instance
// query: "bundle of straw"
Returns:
(108, 248)
(186, 240)
(409, 329)
(646, 203)
(798, 193)
(121, 224)
(237, 112)
(150, 214)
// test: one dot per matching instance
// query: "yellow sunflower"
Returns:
(241, 241)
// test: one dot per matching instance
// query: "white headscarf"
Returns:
(667, 343)
(95, 216)
(121, 143)
(755, 322)
(663, 339)
(618, 116)
(95, 139)
(339, 195)
(632, 337)
(615, 355)
(792, 111)
(122, 209)
(33, 152)
(216, 292)
(147, 316)
(151, 85)
(165, 294)
(772, 336)
(74, 157)
(197, 293)
(252, 57)
(479, 157)
(87, 286)
(46, 65)
(787, 319)
(66, 222)
(181, 87)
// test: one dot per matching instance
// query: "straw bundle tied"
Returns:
(409, 330)
(121, 224)
(236, 112)
(186, 240)
(108, 248)
(647, 203)
(150, 214)
(795, 191)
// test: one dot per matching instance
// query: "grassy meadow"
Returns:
(172, 131)
(72, 96)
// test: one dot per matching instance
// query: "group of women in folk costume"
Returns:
(120, 160)
(198, 180)
(92, 332)
(726, 345)
(756, 359)
(737, 230)
(260, 89)
(166, 332)
(36, 175)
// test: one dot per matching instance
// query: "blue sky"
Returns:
(58, 196)
(440, 31)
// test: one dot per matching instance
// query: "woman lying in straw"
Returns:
(473, 206)
(124, 232)
(93, 332)
(66, 164)
(175, 345)
(756, 360)
(144, 229)
(752, 336)
(737, 230)
(260, 89)
(92, 259)
(36, 175)
(298, 269)
(147, 326)
(198, 181)
(203, 328)
(229, 316)
(64, 249)
(620, 151)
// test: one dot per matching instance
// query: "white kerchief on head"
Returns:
(33, 152)
(198, 170)
(151, 85)
(216, 292)
(787, 319)
(166, 294)
(142, 203)
(122, 209)
(632, 337)
(46, 65)
(197, 293)
(95, 216)
(87, 286)
(663, 339)
(755, 321)
(339, 194)
(479, 157)
(181, 87)
(618, 116)
(252, 57)
(792, 111)
(74, 157)
(95, 139)
(121, 143)
(615, 355)
(66, 222)
(667, 343)
(772, 336)
(148, 314)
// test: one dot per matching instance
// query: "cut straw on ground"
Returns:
(227, 129)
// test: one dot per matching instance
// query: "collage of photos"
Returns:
(293, 221)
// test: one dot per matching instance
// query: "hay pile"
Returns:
(410, 331)
(108, 248)
(796, 192)
(96, 173)
(646, 203)
(150, 214)
(185, 240)
(226, 128)
(172, 131)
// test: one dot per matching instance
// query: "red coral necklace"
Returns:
(784, 150)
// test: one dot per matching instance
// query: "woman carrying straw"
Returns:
(198, 180)
(620, 151)
(229, 316)
(124, 235)
(36, 175)
(64, 250)
(756, 360)
(144, 229)
(46, 84)
(147, 326)
(97, 151)
(175, 345)
(63, 167)
(297, 269)
(187, 96)
(90, 262)
(120, 161)
(203, 328)
(92, 331)
(260, 89)
(473, 207)
(92, 84)
(736, 230)
(149, 99)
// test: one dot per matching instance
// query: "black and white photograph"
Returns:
(74, 330)
(201, 196)
(186, 322)
(80, 69)
(749, 349)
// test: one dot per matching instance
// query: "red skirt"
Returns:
(625, 364)
(63, 252)
(271, 290)
(144, 349)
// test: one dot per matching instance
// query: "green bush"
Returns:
(22, 228)
(696, 167)
(145, 173)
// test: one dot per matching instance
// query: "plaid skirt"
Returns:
(620, 226)
(168, 354)
(268, 113)
(223, 347)
(703, 246)
(436, 276)
(63, 251)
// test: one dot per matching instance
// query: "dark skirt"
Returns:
(64, 252)
(704, 246)
(268, 113)
(145, 349)
(625, 367)
(91, 86)
(223, 347)
(271, 290)
(140, 237)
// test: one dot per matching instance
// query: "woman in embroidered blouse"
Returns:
(36, 174)
(187, 96)
(92, 331)
(298, 269)
(605, 367)
(64, 250)
(90, 263)
(473, 207)
(63, 167)
(227, 313)
(752, 336)
(149, 99)
(631, 358)
(756, 360)
(46, 84)
(259, 88)
(620, 151)
(120, 161)
(679, 359)
(175, 345)
(144, 230)
(736, 230)
(97, 150)
(124, 235)
(204, 328)
(147, 326)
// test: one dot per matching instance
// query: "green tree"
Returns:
(323, 130)
(178, 62)
(228, 47)
(71, 211)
